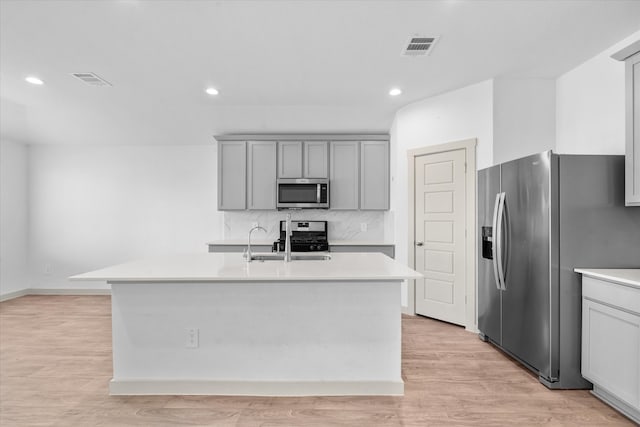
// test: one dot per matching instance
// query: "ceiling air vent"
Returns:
(419, 46)
(91, 79)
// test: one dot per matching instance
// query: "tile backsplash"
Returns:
(343, 225)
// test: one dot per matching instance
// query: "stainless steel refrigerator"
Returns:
(540, 217)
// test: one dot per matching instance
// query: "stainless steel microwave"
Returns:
(303, 193)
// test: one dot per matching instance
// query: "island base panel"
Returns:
(257, 338)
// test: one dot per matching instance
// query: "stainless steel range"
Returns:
(307, 236)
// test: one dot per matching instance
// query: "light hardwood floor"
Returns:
(55, 364)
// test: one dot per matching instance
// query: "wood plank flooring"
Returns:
(55, 364)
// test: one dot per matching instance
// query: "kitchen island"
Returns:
(215, 324)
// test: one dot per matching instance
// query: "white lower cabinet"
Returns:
(611, 343)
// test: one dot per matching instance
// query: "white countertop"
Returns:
(627, 276)
(232, 267)
(243, 242)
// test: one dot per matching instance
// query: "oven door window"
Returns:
(298, 193)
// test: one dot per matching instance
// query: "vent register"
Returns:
(91, 79)
(419, 46)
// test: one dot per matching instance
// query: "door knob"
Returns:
(419, 243)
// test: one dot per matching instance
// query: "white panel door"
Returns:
(440, 210)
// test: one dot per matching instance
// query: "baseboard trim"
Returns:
(15, 294)
(61, 291)
(53, 291)
(627, 410)
(256, 388)
(407, 311)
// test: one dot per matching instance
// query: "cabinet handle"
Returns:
(419, 243)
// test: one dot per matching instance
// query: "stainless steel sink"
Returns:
(297, 257)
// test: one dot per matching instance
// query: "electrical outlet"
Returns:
(192, 337)
(47, 269)
(363, 226)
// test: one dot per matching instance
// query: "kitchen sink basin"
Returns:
(297, 257)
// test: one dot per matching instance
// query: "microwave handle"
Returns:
(318, 193)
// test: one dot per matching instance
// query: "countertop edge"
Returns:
(231, 267)
(242, 279)
(613, 275)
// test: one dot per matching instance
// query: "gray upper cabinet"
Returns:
(374, 175)
(261, 163)
(357, 166)
(308, 159)
(315, 159)
(232, 172)
(289, 159)
(631, 56)
(344, 174)
(632, 181)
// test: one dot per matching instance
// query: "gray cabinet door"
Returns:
(316, 159)
(344, 175)
(289, 159)
(261, 190)
(232, 171)
(632, 168)
(374, 175)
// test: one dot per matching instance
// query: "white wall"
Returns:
(524, 117)
(590, 105)
(13, 217)
(461, 114)
(91, 207)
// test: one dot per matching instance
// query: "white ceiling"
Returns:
(280, 66)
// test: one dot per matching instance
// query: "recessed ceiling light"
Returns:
(212, 91)
(395, 91)
(34, 80)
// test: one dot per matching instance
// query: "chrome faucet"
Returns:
(287, 239)
(257, 227)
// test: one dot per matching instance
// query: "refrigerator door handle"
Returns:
(498, 242)
(494, 246)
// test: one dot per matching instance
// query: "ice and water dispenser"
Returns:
(487, 242)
